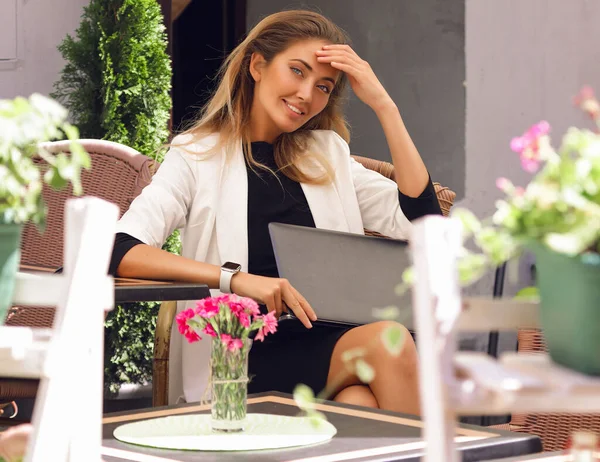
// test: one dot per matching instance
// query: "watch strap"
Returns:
(225, 280)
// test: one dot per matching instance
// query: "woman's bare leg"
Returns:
(359, 395)
(395, 386)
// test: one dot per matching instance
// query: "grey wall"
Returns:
(525, 62)
(417, 50)
(41, 26)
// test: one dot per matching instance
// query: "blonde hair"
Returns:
(228, 111)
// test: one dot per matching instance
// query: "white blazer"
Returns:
(206, 198)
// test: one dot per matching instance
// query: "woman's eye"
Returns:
(324, 88)
(297, 71)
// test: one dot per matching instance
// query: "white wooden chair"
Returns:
(471, 383)
(68, 359)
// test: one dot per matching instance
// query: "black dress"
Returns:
(294, 354)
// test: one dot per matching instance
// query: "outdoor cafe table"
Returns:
(363, 434)
(142, 290)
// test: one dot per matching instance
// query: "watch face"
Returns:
(230, 266)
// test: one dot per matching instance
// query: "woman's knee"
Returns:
(377, 352)
(395, 344)
(358, 395)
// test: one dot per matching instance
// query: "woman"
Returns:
(271, 146)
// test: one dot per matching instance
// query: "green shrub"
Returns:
(116, 85)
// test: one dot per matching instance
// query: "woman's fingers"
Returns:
(348, 69)
(274, 303)
(339, 55)
(305, 305)
(294, 304)
(344, 64)
(339, 47)
(278, 302)
(270, 304)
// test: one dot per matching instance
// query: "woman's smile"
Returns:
(293, 111)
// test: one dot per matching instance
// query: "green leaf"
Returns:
(317, 419)
(471, 267)
(352, 354)
(304, 397)
(387, 313)
(528, 294)
(71, 132)
(364, 371)
(470, 222)
(393, 339)
(55, 179)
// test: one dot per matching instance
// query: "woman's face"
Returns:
(290, 90)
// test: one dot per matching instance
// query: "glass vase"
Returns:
(229, 378)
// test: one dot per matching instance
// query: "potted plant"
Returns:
(116, 84)
(24, 124)
(557, 217)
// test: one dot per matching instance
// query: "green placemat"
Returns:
(193, 432)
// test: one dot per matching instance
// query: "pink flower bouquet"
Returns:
(228, 320)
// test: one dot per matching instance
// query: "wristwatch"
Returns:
(228, 269)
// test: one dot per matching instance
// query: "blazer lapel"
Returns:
(326, 206)
(232, 211)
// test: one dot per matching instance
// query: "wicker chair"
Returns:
(554, 429)
(118, 175)
(445, 195)
(160, 373)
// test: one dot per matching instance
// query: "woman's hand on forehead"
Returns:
(363, 80)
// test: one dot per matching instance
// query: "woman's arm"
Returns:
(147, 262)
(410, 171)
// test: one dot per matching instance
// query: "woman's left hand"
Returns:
(363, 80)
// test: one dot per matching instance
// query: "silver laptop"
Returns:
(343, 276)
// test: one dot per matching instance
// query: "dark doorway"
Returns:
(202, 36)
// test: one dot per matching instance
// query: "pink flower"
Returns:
(519, 191)
(586, 92)
(207, 308)
(270, 321)
(260, 336)
(586, 100)
(192, 336)
(527, 146)
(235, 344)
(232, 344)
(225, 339)
(235, 305)
(183, 327)
(244, 319)
(223, 298)
(182, 318)
(503, 184)
(251, 306)
(269, 326)
(243, 308)
(209, 330)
